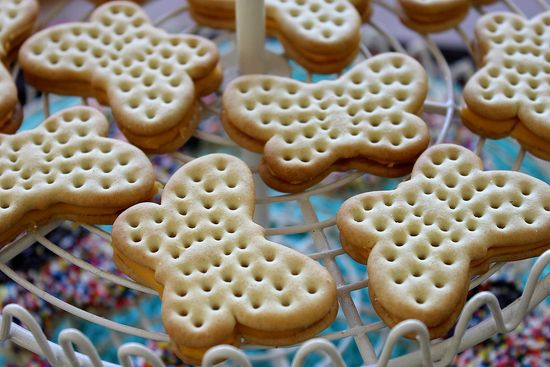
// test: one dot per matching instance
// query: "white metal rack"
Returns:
(439, 353)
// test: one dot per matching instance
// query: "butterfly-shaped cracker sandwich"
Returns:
(16, 22)
(219, 278)
(423, 241)
(367, 119)
(510, 94)
(66, 168)
(151, 79)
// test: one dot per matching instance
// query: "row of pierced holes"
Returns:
(356, 78)
(77, 182)
(191, 224)
(321, 146)
(135, 72)
(314, 8)
(95, 33)
(123, 68)
(97, 53)
(517, 24)
(85, 147)
(394, 137)
(318, 94)
(215, 306)
(106, 167)
(106, 40)
(386, 103)
(494, 203)
(513, 80)
(512, 77)
(310, 131)
(443, 226)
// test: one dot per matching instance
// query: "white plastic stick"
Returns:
(250, 15)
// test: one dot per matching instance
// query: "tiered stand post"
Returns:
(250, 16)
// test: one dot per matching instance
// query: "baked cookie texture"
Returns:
(17, 19)
(509, 94)
(220, 279)
(367, 119)
(423, 241)
(66, 168)
(151, 79)
(432, 16)
(321, 35)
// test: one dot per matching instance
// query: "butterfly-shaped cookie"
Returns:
(66, 168)
(509, 95)
(321, 35)
(427, 16)
(16, 21)
(220, 279)
(151, 79)
(366, 119)
(423, 241)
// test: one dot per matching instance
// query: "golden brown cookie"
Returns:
(16, 21)
(66, 168)
(220, 279)
(432, 16)
(151, 79)
(508, 95)
(321, 35)
(423, 241)
(366, 119)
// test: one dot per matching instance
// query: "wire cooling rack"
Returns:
(353, 312)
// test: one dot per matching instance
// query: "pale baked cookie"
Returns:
(151, 79)
(428, 16)
(16, 21)
(509, 95)
(367, 119)
(423, 241)
(66, 168)
(321, 35)
(220, 279)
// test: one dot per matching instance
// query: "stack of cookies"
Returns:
(423, 241)
(322, 36)
(367, 120)
(152, 80)
(427, 16)
(67, 168)
(509, 95)
(220, 279)
(17, 19)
